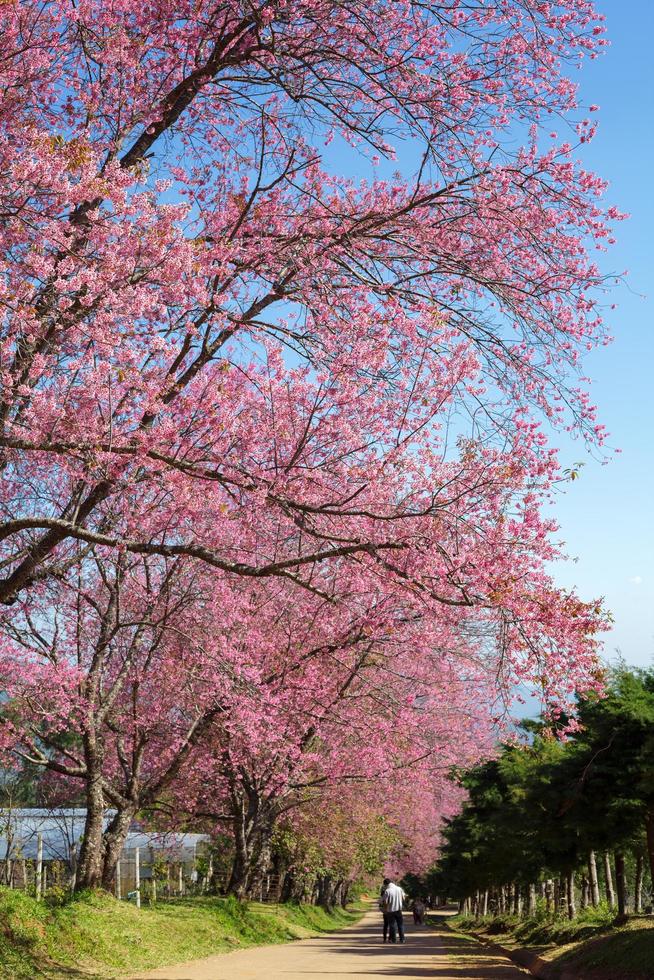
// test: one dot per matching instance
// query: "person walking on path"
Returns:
(383, 907)
(394, 898)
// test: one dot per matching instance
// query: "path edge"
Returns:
(537, 966)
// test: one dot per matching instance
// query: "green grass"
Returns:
(95, 935)
(589, 942)
(627, 952)
(540, 930)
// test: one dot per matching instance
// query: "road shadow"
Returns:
(427, 952)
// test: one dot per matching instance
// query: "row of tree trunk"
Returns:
(255, 872)
(560, 894)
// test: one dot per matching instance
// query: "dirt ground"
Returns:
(355, 952)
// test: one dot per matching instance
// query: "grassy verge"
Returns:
(539, 930)
(97, 936)
(589, 946)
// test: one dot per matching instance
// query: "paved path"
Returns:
(354, 952)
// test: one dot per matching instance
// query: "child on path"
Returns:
(418, 909)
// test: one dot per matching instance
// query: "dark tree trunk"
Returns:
(649, 829)
(325, 893)
(345, 893)
(286, 891)
(253, 828)
(300, 891)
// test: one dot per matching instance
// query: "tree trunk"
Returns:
(550, 896)
(531, 898)
(592, 879)
(649, 829)
(345, 894)
(89, 868)
(260, 861)
(638, 884)
(253, 828)
(559, 894)
(325, 896)
(620, 884)
(608, 879)
(286, 889)
(570, 895)
(238, 879)
(585, 892)
(113, 842)
(278, 875)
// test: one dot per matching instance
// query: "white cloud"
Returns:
(636, 579)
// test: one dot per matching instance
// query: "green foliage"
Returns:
(107, 937)
(57, 896)
(414, 885)
(538, 930)
(540, 807)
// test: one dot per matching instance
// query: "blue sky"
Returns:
(607, 516)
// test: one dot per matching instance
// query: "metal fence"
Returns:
(142, 874)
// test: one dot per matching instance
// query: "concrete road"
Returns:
(355, 952)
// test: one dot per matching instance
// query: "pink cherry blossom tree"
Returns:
(257, 415)
(167, 217)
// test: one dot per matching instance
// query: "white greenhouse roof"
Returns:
(61, 830)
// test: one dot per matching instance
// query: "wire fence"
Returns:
(142, 874)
